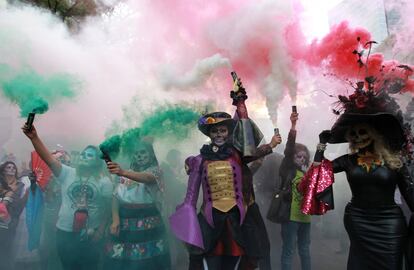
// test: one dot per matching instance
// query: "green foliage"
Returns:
(67, 8)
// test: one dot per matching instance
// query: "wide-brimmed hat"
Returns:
(207, 121)
(386, 124)
(377, 109)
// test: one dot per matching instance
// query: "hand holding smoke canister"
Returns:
(294, 109)
(276, 131)
(30, 120)
(238, 94)
(105, 156)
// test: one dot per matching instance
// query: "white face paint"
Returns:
(219, 134)
(361, 136)
(10, 169)
(88, 157)
(142, 157)
(300, 159)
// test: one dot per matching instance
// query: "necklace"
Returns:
(83, 202)
(369, 161)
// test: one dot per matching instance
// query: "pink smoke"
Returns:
(337, 53)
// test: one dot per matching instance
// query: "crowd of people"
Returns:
(98, 215)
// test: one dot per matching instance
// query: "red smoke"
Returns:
(335, 54)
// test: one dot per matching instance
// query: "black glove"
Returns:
(325, 136)
(238, 96)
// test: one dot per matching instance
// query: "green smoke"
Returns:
(171, 121)
(130, 140)
(111, 146)
(32, 92)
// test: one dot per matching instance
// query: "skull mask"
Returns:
(361, 136)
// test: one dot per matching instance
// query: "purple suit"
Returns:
(184, 222)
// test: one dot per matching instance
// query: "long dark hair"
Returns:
(301, 147)
(3, 182)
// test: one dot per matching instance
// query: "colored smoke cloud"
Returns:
(34, 93)
(172, 122)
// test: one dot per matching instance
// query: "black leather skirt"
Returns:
(378, 237)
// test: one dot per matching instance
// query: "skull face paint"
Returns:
(300, 159)
(88, 157)
(142, 157)
(10, 169)
(219, 134)
(361, 136)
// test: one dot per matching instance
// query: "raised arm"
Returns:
(141, 177)
(291, 141)
(324, 137)
(42, 150)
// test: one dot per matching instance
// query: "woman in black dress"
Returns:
(374, 168)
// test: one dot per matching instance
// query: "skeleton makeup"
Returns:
(10, 169)
(361, 136)
(219, 134)
(142, 157)
(300, 158)
(89, 160)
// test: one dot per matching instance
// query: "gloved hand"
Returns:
(325, 136)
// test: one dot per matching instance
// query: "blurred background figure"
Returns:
(13, 197)
(265, 180)
(175, 178)
(52, 201)
(296, 230)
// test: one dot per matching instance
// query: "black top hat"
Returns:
(379, 110)
(207, 121)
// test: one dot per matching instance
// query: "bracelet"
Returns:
(321, 147)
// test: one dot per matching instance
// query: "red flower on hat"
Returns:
(361, 101)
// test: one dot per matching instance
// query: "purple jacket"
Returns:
(184, 222)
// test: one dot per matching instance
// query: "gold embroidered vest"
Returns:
(221, 181)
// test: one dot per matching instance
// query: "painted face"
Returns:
(219, 134)
(361, 136)
(300, 158)
(88, 157)
(10, 169)
(142, 157)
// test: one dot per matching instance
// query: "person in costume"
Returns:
(295, 227)
(13, 197)
(139, 235)
(84, 210)
(229, 231)
(372, 125)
